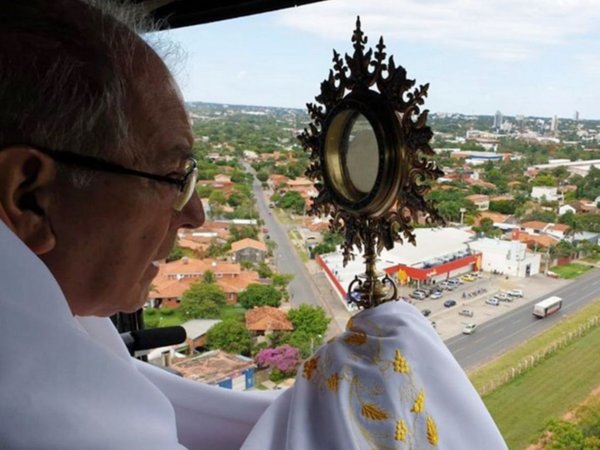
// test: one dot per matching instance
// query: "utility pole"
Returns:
(462, 215)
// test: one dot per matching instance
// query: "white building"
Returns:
(507, 257)
(565, 209)
(547, 193)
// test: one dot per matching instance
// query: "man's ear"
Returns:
(27, 183)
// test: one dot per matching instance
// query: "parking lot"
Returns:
(449, 323)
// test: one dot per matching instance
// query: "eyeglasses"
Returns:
(185, 185)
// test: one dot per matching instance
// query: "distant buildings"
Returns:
(498, 120)
(554, 125)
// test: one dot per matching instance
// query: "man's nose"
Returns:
(193, 213)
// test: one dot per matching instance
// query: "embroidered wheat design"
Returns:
(418, 405)
(373, 412)
(400, 363)
(432, 434)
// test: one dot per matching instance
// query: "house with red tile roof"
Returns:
(534, 227)
(175, 277)
(558, 230)
(276, 181)
(265, 319)
(495, 217)
(481, 201)
(537, 241)
(249, 250)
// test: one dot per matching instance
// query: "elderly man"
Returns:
(96, 177)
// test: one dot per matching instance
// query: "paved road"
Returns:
(497, 336)
(302, 288)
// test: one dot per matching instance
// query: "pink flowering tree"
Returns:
(281, 360)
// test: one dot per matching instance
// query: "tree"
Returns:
(176, 253)
(259, 295)
(208, 277)
(544, 179)
(285, 358)
(503, 206)
(293, 201)
(486, 227)
(202, 300)
(231, 336)
(262, 176)
(309, 319)
(239, 232)
(264, 271)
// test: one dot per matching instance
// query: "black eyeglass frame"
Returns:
(93, 163)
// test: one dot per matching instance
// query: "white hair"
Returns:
(66, 76)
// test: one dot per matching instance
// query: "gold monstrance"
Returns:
(369, 148)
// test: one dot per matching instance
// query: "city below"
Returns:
(511, 284)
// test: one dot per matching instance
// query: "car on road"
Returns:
(516, 293)
(436, 294)
(466, 312)
(450, 303)
(493, 301)
(469, 328)
(426, 312)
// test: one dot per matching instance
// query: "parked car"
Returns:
(433, 324)
(426, 291)
(426, 312)
(469, 328)
(436, 294)
(466, 312)
(450, 303)
(516, 293)
(503, 297)
(493, 301)
(418, 295)
(468, 278)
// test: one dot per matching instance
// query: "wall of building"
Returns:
(507, 257)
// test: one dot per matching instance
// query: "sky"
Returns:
(530, 57)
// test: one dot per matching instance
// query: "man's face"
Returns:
(109, 235)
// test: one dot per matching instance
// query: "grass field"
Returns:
(483, 375)
(167, 317)
(569, 271)
(522, 407)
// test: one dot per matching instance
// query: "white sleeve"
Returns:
(387, 382)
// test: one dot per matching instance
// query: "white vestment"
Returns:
(66, 383)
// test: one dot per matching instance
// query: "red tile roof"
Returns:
(534, 224)
(245, 243)
(267, 318)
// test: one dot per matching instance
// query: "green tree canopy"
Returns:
(293, 201)
(202, 300)
(486, 227)
(259, 295)
(309, 319)
(262, 176)
(503, 206)
(544, 179)
(231, 336)
(176, 253)
(208, 277)
(589, 186)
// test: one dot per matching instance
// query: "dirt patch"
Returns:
(569, 416)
